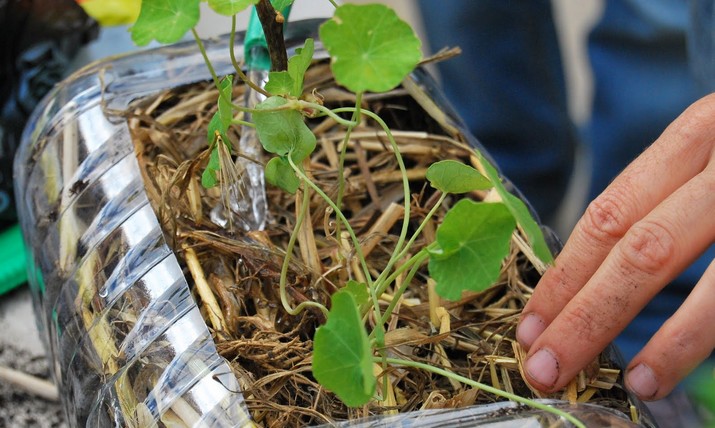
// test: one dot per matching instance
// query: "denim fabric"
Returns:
(643, 81)
(701, 42)
(509, 87)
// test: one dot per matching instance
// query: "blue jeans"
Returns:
(509, 87)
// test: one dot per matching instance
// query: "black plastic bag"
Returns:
(38, 38)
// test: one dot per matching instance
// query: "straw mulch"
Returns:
(235, 274)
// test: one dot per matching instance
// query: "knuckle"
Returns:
(701, 112)
(706, 181)
(604, 220)
(684, 341)
(582, 323)
(697, 122)
(648, 247)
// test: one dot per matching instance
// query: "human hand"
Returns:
(655, 218)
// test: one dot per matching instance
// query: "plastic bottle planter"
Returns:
(128, 344)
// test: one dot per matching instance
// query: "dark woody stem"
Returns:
(272, 23)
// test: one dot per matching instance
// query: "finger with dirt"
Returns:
(646, 227)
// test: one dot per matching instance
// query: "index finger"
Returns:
(680, 153)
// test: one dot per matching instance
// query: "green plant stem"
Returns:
(405, 181)
(399, 247)
(243, 123)
(286, 262)
(340, 215)
(485, 388)
(236, 65)
(381, 283)
(415, 262)
(417, 258)
(357, 112)
(211, 69)
(335, 5)
(343, 151)
(324, 111)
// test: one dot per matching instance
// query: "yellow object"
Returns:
(112, 12)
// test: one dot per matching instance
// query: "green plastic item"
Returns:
(255, 47)
(13, 259)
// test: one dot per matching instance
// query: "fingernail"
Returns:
(529, 329)
(543, 367)
(641, 380)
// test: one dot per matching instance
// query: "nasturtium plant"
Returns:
(371, 48)
(342, 357)
(165, 21)
(230, 7)
(450, 176)
(283, 132)
(279, 173)
(473, 240)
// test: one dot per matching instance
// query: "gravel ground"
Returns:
(21, 349)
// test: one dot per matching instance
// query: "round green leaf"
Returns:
(165, 21)
(279, 173)
(283, 131)
(371, 48)
(342, 358)
(230, 7)
(451, 176)
(473, 240)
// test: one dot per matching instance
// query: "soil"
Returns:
(270, 350)
(21, 409)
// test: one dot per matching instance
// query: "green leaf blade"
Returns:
(279, 5)
(279, 173)
(298, 64)
(283, 131)
(216, 129)
(165, 21)
(474, 238)
(209, 178)
(279, 83)
(230, 7)
(371, 48)
(521, 213)
(342, 358)
(358, 291)
(531, 228)
(450, 176)
(225, 111)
